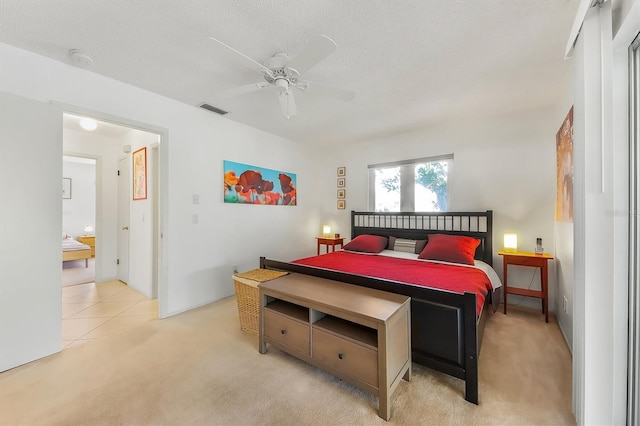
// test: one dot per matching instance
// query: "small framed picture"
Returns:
(341, 193)
(341, 182)
(342, 171)
(341, 204)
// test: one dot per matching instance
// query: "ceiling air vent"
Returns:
(214, 109)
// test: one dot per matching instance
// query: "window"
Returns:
(412, 185)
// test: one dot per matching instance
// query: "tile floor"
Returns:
(93, 311)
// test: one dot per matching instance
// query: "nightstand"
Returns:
(329, 242)
(522, 258)
(89, 240)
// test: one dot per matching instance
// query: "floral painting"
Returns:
(564, 170)
(245, 184)
(140, 174)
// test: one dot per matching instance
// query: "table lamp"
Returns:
(511, 243)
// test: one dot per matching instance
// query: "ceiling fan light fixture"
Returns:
(282, 84)
(287, 103)
(283, 73)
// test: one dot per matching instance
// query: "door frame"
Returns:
(127, 199)
(161, 203)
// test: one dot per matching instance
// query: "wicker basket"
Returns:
(248, 296)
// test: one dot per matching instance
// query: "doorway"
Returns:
(78, 220)
(112, 143)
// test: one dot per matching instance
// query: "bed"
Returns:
(72, 249)
(446, 325)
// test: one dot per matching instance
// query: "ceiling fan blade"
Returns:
(247, 61)
(333, 92)
(316, 51)
(241, 90)
(287, 103)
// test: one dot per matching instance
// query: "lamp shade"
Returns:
(511, 242)
(88, 229)
(326, 230)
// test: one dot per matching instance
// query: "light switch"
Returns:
(196, 199)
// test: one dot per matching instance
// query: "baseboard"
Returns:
(199, 305)
(565, 339)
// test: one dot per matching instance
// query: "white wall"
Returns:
(198, 259)
(505, 164)
(563, 246)
(79, 210)
(30, 230)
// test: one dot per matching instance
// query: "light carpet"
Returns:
(198, 368)
(75, 272)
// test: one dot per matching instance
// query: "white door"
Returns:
(30, 230)
(124, 197)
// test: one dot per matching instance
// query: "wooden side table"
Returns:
(522, 258)
(329, 242)
(89, 240)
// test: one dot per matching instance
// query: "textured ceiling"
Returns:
(412, 64)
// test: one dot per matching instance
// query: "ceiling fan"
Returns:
(284, 73)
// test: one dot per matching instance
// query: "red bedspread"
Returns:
(458, 279)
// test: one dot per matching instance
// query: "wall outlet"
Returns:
(565, 305)
(194, 219)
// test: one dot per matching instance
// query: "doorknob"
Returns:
(125, 228)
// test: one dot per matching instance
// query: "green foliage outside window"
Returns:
(432, 176)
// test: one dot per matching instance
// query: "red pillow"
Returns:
(367, 244)
(450, 248)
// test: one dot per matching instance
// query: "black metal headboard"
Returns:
(413, 225)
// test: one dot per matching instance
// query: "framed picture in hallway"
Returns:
(140, 174)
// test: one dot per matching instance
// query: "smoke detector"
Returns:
(81, 57)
